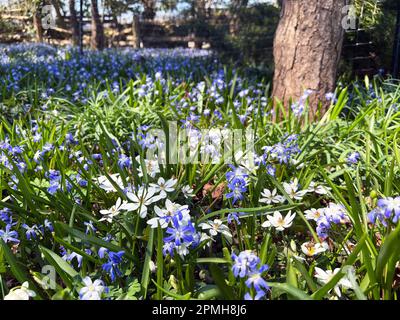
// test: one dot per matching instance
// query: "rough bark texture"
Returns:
(307, 49)
(74, 23)
(136, 32)
(37, 23)
(97, 38)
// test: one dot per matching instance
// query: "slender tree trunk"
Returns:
(37, 22)
(234, 24)
(149, 9)
(307, 49)
(136, 32)
(97, 39)
(74, 27)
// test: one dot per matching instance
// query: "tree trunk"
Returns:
(97, 38)
(149, 11)
(37, 23)
(74, 27)
(307, 49)
(136, 32)
(236, 7)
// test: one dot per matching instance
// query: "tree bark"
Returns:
(307, 49)
(97, 38)
(37, 23)
(234, 24)
(149, 11)
(136, 32)
(74, 25)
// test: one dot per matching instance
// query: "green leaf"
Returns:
(219, 278)
(293, 291)
(64, 270)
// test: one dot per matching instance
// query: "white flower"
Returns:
(92, 290)
(106, 185)
(292, 189)
(163, 186)
(152, 167)
(215, 227)
(141, 200)
(109, 214)
(311, 249)
(20, 293)
(269, 197)
(278, 222)
(325, 276)
(314, 214)
(152, 266)
(164, 216)
(319, 189)
(187, 191)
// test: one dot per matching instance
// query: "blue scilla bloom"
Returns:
(234, 216)
(17, 150)
(245, 263)
(353, 157)
(9, 235)
(124, 161)
(168, 248)
(236, 173)
(271, 170)
(388, 209)
(53, 175)
(180, 233)
(81, 182)
(48, 225)
(5, 215)
(76, 256)
(259, 295)
(256, 280)
(31, 232)
(102, 252)
(237, 188)
(69, 138)
(391, 207)
(37, 137)
(96, 156)
(47, 147)
(55, 185)
(89, 226)
(112, 266)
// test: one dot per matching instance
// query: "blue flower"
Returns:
(259, 294)
(89, 226)
(76, 256)
(234, 216)
(48, 225)
(255, 279)
(180, 234)
(112, 266)
(244, 263)
(9, 235)
(124, 161)
(5, 215)
(31, 232)
(353, 157)
(237, 187)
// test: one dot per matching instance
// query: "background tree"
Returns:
(97, 37)
(74, 24)
(307, 50)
